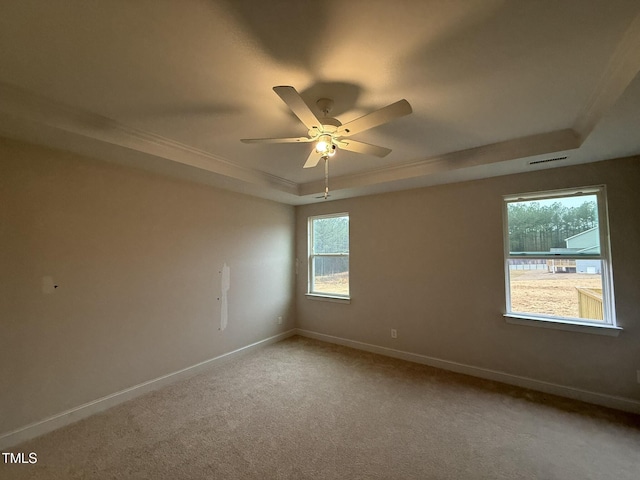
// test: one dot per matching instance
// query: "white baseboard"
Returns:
(611, 401)
(74, 414)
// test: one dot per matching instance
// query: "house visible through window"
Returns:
(557, 262)
(329, 255)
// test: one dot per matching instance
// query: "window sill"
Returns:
(567, 325)
(327, 298)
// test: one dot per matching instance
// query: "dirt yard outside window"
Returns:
(337, 283)
(532, 291)
(539, 291)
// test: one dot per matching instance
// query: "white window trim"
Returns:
(328, 298)
(323, 296)
(568, 325)
(609, 326)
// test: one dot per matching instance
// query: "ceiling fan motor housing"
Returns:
(327, 126)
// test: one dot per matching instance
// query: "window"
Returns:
(557, 263)
(329, 255)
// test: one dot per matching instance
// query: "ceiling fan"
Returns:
(329, 133)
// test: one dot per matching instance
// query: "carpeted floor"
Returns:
(302, 409)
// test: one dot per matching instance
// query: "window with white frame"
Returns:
(329, 255)
(557, 261)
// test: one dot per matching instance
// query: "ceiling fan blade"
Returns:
(361, 147)
(313, 159)
(294, 101)
(277, 140)
(373, 119)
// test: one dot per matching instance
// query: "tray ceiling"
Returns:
(172, 86)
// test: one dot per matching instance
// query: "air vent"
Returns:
(547, 160)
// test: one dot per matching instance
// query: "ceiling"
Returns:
(172, 86)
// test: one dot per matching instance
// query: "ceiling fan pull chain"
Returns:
(326, 177)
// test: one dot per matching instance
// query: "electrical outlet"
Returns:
(394, 333)
(279, 320)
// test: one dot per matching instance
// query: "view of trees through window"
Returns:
(539, 226)
(569, 284)
(330, 250)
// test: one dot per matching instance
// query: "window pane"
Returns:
(331, 275)
(561, 288)
(331, 235)
(561, 225)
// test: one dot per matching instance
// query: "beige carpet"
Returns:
(302, 409)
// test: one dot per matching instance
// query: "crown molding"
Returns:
(525, 147)
(18, 103)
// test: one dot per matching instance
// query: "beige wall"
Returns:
(429, 262)
(137, 259)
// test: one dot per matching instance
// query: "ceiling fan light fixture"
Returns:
(324, 145)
